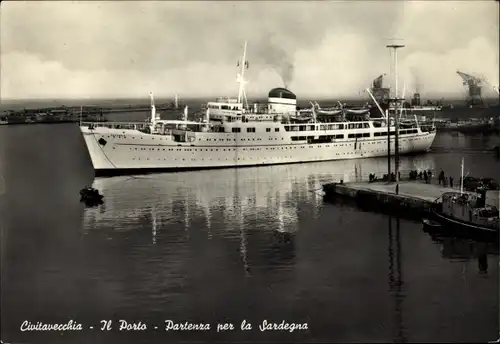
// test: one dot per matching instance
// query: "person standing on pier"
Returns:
(441, 177)
(451, 181)
(425, 177)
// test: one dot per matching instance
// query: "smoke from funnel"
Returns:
(286, 73)
(279, 58)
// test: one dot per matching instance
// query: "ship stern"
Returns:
(431, 136)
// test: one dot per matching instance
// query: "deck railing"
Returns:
(117, 125)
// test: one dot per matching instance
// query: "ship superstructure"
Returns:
(233, 133)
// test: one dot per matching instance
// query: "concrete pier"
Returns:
(414, 199)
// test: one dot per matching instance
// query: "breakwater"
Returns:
(65, 114)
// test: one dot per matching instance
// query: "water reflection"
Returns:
(153, 224)
(240, 205)
(239, 217)
(238, 193)
(466, 250)
(396, 284)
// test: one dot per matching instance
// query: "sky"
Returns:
(333, 49)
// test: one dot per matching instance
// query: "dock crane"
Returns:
(474, 85)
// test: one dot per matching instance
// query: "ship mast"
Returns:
(241, 75)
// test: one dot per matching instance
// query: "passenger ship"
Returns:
(234, 134)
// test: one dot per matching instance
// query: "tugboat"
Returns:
(90, 196)
(467, 214)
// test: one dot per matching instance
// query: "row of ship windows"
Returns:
(249, 130)
(223, 107)
(335, 126)
(261, 158)
(329, 137)
(357, 135)
(250, 149)
(242, 139)
(401, 132)
(245, 118)
(305, 127)
(299, 138)
(232, 139)
(338, 136)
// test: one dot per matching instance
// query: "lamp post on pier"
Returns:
(397, 103)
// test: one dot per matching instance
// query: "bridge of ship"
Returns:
(232, 112)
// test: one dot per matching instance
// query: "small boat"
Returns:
(329, 112)
(430, 223)
(301, 118)
(467, 213)
(357, 111)
(431, 227)
(90, 196)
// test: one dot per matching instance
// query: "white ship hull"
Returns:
(118, 151)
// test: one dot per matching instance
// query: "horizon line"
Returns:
(204, 97)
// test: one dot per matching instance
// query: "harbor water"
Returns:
(227, 246)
